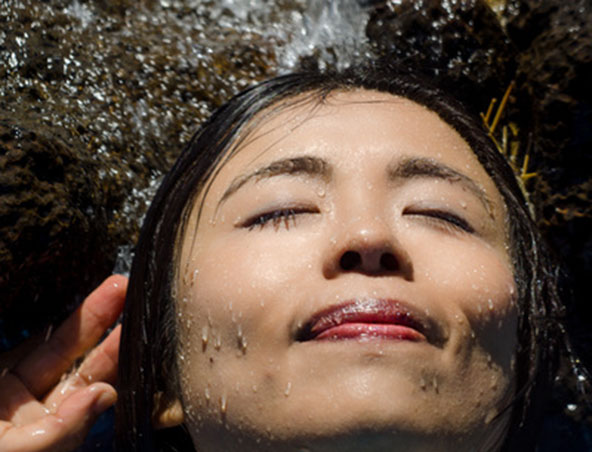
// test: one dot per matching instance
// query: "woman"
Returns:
(338, 262)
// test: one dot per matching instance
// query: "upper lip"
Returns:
(380, 311)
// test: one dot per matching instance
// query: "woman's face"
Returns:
(349, 287)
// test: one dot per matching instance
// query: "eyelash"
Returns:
(276, 218)
(448, 219)
(283, 217)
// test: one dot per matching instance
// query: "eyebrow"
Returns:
(311, 166)
(404, 169)
(419, 167)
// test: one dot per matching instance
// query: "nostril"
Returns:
(350, 260)
(389, 262)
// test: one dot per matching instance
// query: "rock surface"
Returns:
(96, 101)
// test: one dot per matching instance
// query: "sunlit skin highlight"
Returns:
(384, 206)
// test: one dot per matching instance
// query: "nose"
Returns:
(370, 248)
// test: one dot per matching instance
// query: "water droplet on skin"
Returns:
(479, 309)
(288, 389)
(218, 341)
(463, 204)
(207, 393)
(490, 417)
(571, 407)
(254, 388)
(490, 304)
(204, 338)
(422, 384)
(435, 384)
(223, 404)
(321, 193)
(242, 344)
(194, 277)
(473, 336)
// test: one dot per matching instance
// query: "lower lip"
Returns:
(370, 331)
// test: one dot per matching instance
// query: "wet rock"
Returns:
(97, 99)
(461, 45)
(55, 223)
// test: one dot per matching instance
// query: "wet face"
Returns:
(348, 288)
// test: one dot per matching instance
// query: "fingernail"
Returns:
(105, 400)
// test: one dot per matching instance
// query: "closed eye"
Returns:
(442, 218)
(278, 218)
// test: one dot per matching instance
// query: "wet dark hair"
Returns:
(149, 341)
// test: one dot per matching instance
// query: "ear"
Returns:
(167, 412)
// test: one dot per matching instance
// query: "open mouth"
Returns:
(366, 319)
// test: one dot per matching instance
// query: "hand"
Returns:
(44, 406)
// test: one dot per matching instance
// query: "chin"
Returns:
(357, 439)
(375, 424)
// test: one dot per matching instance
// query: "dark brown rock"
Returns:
(97, 99)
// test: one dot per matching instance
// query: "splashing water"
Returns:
(333, 31)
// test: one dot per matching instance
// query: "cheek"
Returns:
(234, 299)
(477, 294)
(475, 280)
(260, 259)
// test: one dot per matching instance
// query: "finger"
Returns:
(99, 365)
(42, 369)
(65, 429)
(17, 404)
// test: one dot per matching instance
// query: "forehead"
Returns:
(349, 127)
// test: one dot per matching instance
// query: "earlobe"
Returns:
(167, 412)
